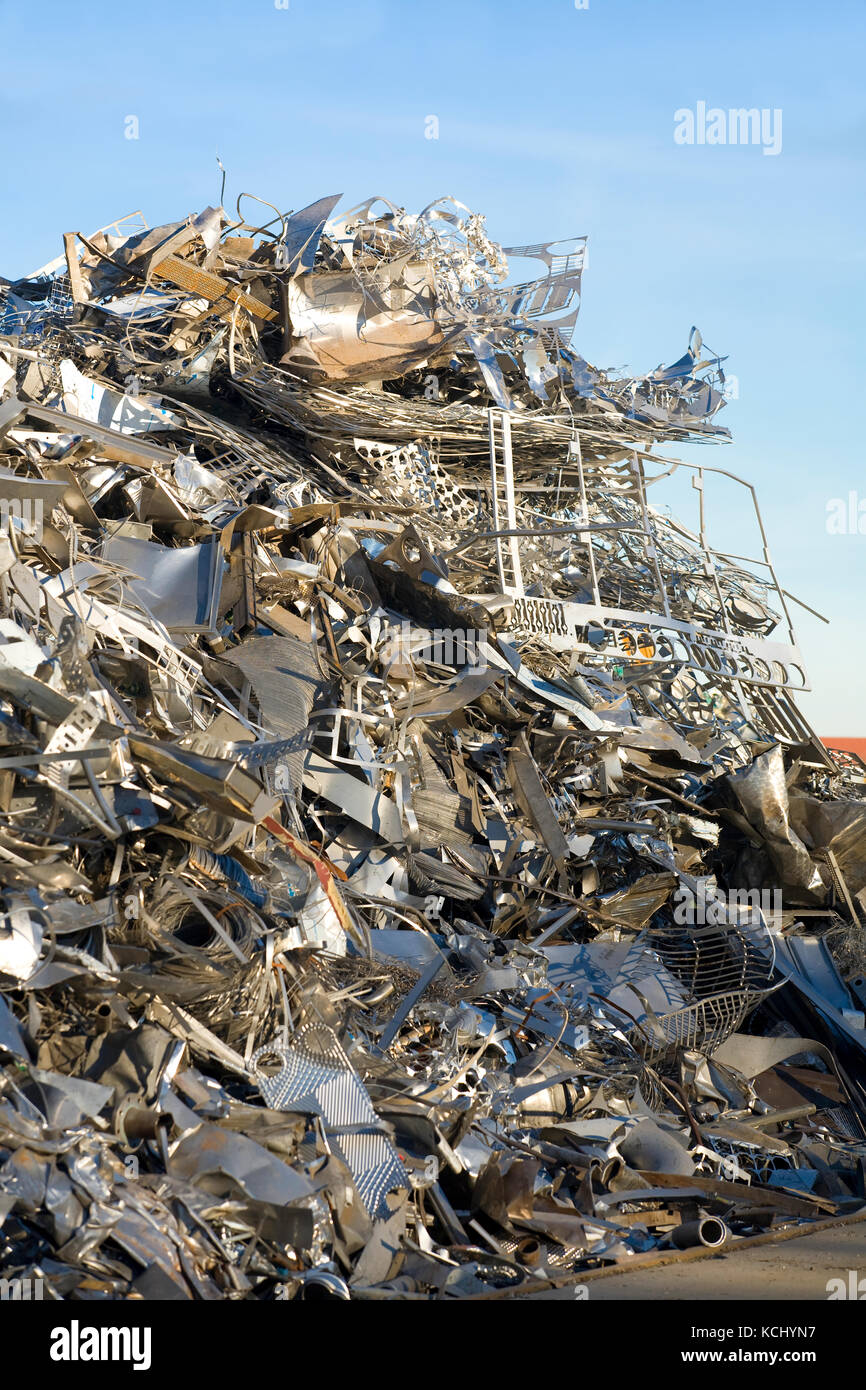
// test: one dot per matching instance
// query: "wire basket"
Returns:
(728, 972)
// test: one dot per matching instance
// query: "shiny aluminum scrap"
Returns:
(417, 879)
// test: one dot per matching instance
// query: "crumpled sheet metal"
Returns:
(839, 827)
(285, 676)
(344, 332)
(762, 793)
(407, 828)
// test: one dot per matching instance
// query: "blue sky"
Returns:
(553, 121)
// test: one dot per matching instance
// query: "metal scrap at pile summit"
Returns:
(418, 880)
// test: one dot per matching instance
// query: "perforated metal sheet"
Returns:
(317, 1077)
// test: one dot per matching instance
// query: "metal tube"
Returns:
(707, 1230)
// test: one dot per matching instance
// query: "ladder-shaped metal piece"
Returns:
(504, 511)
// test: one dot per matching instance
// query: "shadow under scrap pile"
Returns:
(417, 878)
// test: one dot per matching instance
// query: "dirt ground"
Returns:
(798, 1270)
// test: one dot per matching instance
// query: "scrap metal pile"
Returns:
(417, 878)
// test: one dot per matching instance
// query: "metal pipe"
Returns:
(780, 1117)
(141, 1123)
(707, 1230)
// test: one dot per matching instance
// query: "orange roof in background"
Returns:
(853, 745)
